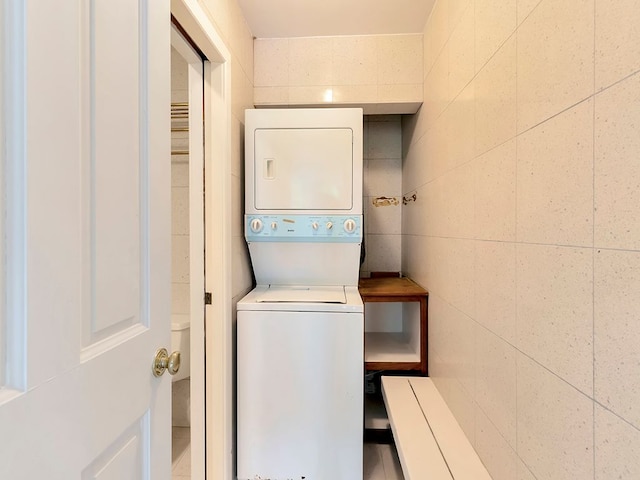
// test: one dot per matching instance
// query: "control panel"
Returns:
(303, 228)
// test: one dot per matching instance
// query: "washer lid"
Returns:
(303, 294)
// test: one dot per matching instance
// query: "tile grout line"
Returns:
(593, 255)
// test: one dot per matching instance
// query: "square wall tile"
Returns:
(555, 425)
(617, 447)
(461, 350)
(384, 217)
(495, 185)
(180, 258)
(458, 273)
(460, 207)
(384, 139)
(495, 22)
(525, 7)
(554, 310)
(180, 210)
(436, 89)
(414, 166)
(461, 404)
(617, 332)
(416, 256)
(383, 178)
(271, 62)
(436, 34)
(400, 59)
(179, 174)
(355, 60)
(617, 166)
(617, 45)
(437, 149)
(461, 133)
(416, 218)
(461, 54)
(523, 471)
(555, 180)
(383, 253)
(496, 454)
(495, 93)
(456, 9)
(180, 298)
(555, 59)
(495, 366)
(310, 61)
(438, 334)
(495, 281)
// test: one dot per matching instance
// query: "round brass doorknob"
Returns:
(163, 361)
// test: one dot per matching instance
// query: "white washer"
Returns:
(300, 368)
(300, 354)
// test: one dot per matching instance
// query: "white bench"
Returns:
(430, 443)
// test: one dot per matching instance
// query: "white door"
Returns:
(85, 239)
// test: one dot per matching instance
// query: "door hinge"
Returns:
(207, 298)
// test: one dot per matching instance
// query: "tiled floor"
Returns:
(181, 453)
(380, 460)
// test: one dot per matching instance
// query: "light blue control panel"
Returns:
(303, 228)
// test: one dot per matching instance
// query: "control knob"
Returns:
(349, 225)
(329, 225)
(274, 226)
(256, 225)
(314, 225)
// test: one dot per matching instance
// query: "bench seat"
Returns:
(430, 443)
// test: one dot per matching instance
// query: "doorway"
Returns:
(187, 259)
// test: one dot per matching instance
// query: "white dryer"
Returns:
(300, 332)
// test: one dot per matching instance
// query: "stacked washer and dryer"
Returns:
(300, 331)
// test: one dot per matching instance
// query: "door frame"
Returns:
(218, 315)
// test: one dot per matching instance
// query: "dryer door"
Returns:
(303, 169)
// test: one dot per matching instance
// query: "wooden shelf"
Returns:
(394, 351)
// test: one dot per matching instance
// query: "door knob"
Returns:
(163, 361)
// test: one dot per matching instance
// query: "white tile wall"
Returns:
(555, 176)
(617, 447)
(617, 332)
(617, 50)
(382, 193)
(539, 288)
(555, 424)
(381, 73)
(617, 169)
(555, 59)
(498, 457)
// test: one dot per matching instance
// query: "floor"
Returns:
(181, 453)
(380, 460)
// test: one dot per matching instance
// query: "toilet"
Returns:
(180, 341)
